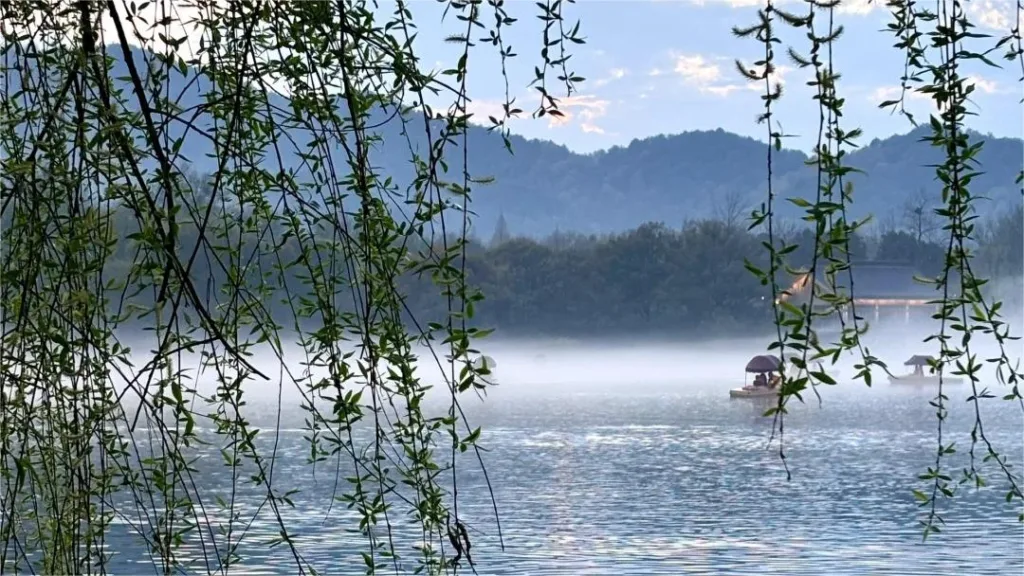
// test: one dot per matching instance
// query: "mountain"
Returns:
(544, 187)
(699, 174)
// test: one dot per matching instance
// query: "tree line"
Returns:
(692, 278)
(652, 279)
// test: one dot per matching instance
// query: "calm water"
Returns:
(630, 479)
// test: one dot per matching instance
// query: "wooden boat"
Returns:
(918, 376)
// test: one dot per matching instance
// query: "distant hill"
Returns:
(544, 187)
(698, 174)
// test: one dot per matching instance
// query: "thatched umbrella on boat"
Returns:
(919, 361)
(763, 364)
(919, 376)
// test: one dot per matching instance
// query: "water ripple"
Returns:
(670, 484)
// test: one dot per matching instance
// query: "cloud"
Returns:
(730, 3)
(696, 70)
(859, 7)
(992, 14)
(705, 74)
(779, 75)
(483, 109)
(581, 110)
(584, 107)
(984, 85)
(702, 73)
(886, 93)
(613, 75)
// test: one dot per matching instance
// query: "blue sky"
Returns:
(666, 66)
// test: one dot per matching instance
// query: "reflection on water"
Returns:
(605, 483)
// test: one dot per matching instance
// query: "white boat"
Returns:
(762, 366)
(754, 392)
(918, 377)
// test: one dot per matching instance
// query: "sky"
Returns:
(667, 66)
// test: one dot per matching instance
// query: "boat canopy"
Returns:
(763, 364)
(918, 360)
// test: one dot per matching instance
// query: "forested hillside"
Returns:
(544, 187)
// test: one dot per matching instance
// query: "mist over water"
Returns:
(635, 365)
(631, 366)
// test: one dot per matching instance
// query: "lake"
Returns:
(641, 478)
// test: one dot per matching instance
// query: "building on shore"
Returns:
(883, 292)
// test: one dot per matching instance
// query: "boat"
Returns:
(918, 376)
(761, 367)
(754, 392)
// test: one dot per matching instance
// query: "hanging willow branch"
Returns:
(121, 266)
(935, 46)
